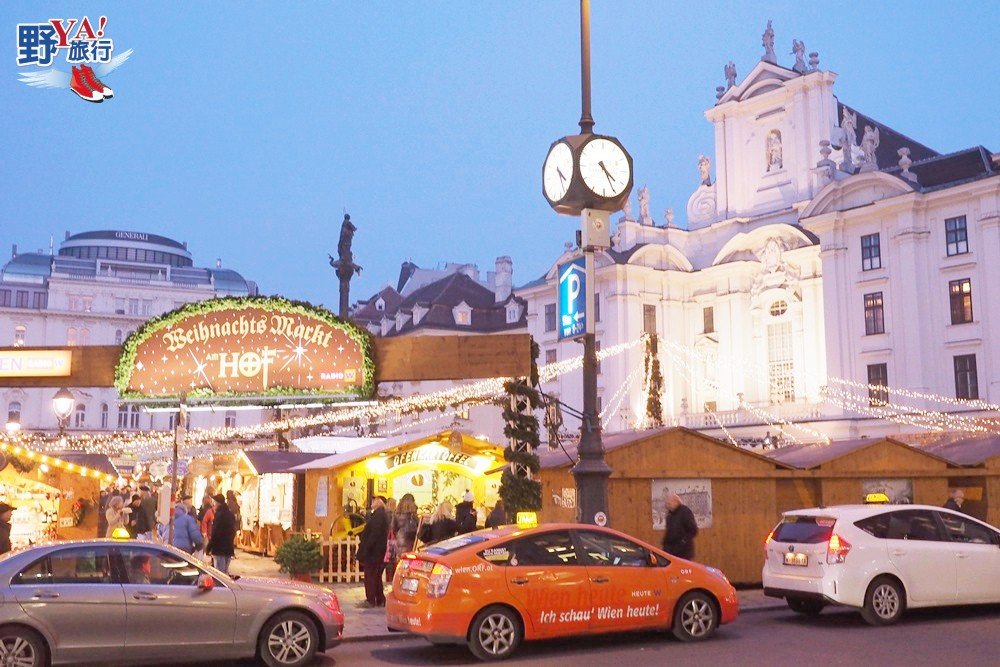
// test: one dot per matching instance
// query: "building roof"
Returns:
(99, 462)
(28, 264)
(383, 445)
(952, 169)
(968, 451)
(567, 455)
(890, 141)
(266, 462)
(120, 235)
(807, 456)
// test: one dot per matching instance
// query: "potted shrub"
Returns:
(299, 557)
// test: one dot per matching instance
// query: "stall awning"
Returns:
(99, 462)
(267, 462)
(382, 446)
(332, 444)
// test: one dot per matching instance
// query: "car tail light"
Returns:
(767, 541)
(837, 549)
(437, 584)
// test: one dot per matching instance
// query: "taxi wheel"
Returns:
(695, 617)
(22, 647)
(805, 607)
(290, 639)
(495, 634)
(885, 602)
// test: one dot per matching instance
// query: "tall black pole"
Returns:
(586, 120)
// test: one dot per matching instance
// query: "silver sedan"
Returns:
(128, 601)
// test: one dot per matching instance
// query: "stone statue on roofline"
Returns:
(627, 210)
(730, 71)
(799, 51)
(869, 144)
(848, 125)
(767, 40)
(704, 169)
(644, 217)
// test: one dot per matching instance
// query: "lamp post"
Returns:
(62, 404)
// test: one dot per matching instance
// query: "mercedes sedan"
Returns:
(139, 602)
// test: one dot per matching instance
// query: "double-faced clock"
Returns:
(587, 171)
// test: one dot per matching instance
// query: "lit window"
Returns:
(20, 331)
(874, 314)
(71, 336)
(14, 412)
(780, 362)
(960, 295)
(878, 381)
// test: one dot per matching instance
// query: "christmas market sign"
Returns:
(247, 346)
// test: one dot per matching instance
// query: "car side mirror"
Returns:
(206, 582)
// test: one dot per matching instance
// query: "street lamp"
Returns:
(62, 404)
(13, 426)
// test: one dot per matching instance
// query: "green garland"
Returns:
(654, 409)
(126, 363)
(520, 492)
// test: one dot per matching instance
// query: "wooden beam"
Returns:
(396, 360)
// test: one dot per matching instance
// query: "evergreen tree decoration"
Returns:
(654, 410)
(518, 490)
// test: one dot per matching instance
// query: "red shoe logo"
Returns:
(79, 85)
(95, 83)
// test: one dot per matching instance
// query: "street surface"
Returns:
(957, 636)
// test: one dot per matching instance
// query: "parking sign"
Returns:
(572, 299)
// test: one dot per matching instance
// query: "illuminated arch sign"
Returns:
(246, 346)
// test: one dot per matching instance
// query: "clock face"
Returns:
(557, 172)
(604, 168)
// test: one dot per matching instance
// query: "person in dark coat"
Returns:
(138, 520)
(681, 528)
(371, 553)
(5, 513)
(222, 542)
(497, 517)
(465, 514)
(440, 526)
(955, 501)
(404, 531)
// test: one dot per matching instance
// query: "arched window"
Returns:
(20, 331)
(84, 337)
(118, 336)
(71, 336)
(230, 419)
(104, 415)
(122, 416)
(80, 417)
(133, 414)
(14, 411)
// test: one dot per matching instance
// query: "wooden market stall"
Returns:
(731, 491)
(980, 457)
(434, 466)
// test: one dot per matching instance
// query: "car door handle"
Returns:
(44, 595)
(599, 580)
(143, 596)
(961, 555)
(519, 581)
(898, 552)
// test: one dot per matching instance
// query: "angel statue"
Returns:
(799, 51)
(767, 41)
(704, 167)
(730, 71)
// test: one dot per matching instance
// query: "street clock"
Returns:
(587, 171)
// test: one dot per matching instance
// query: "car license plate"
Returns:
(796, 559)
(409, 585)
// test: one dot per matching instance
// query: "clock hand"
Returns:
(561, 177)
(611, 179)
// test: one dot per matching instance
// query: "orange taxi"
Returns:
(492, 589)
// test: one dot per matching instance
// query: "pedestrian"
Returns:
(6, 511)
(681, 528)
(371, 553)
(440, 526)
(117, 515)
(132, 519)
(497, 517)
(465, 514)
(147, 524)
(189, 508)
(206, 504)
(222, 541)
(404, 533)
(955, 501)
(187, 535)
(208, 517)
(233, 503)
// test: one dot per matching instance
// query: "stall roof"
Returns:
(556, 458)
(93, 461)
(378, 447)
(968, 451)
(332, 444)
(266, 462)
(806, 456)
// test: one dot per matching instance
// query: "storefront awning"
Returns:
(268, 462)
(382, 446)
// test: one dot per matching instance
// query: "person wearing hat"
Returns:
(146, 524)
(465, 514)
(5, 513)
(222, 542)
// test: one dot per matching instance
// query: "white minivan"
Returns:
(881, 559)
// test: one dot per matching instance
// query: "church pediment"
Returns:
(763, 78)
(854, 191)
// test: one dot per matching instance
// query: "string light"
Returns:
(46, 460)
(906, 393)
(931, 419)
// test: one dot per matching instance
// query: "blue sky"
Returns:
(245, 129)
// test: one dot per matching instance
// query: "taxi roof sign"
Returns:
(878, 498)
(120, 533)
(527, 520)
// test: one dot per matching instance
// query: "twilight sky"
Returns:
(246, 129)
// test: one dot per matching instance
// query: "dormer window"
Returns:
(462, 314)
(380, 304)
(513, 313)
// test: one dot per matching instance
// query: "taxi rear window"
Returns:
(804, 529)
(453, 544)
